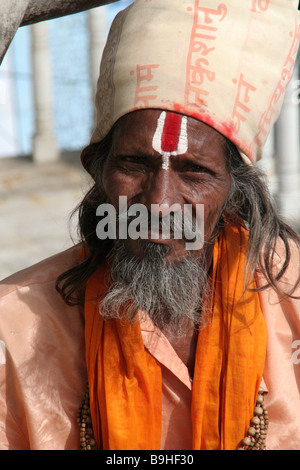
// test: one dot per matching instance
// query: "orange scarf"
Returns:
(125, 379)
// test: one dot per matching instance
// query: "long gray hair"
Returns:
(271, 239)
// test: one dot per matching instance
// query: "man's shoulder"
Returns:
(285, 267)
(42, 357)
(30, 303)
(42, 273)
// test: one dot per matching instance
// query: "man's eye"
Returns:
(197, 169)
(131, 159)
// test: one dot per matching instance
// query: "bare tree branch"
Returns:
(40, 10)
(15, 13)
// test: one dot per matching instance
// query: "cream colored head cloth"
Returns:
(224, 62)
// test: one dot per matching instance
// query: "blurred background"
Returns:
(47, 87)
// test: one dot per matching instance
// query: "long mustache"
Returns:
(172, 225)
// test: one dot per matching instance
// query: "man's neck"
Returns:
(184, 346)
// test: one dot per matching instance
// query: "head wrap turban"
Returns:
(224, 62)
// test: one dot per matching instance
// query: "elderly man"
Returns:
(158, 342)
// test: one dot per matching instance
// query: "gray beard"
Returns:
(170, 292)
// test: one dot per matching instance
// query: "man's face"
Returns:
(161, 158)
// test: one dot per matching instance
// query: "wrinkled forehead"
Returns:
(166, 130)
(167, 133)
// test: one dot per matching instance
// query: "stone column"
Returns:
(97, 24)
(44, 143)
(288, 154)
(9, 138)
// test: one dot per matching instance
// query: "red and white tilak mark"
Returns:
(170, 137)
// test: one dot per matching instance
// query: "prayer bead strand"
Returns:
(257, 433)
(87, 441)
(255, 439)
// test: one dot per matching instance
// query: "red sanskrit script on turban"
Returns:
(203, 35)
(241, 107)
(260, 6)
(144, 92)
(286, 74)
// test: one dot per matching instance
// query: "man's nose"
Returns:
(161, 194)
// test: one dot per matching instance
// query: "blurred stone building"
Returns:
(47, 84)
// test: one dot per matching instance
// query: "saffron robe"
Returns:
(43, 370)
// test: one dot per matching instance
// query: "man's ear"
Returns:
(88, 155)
